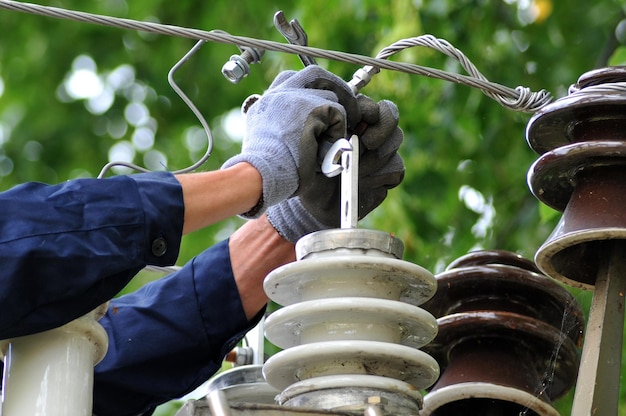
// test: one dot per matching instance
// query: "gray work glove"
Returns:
(380, 168)
(284, 127)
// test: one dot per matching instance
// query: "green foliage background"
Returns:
(458, 142)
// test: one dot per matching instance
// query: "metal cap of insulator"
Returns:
(582, 172)
(508, 338)
(335, 241)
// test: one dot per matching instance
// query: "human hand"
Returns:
(380, 168)
(285, 126)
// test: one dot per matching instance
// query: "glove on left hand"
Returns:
(285, 125)
(380, 169)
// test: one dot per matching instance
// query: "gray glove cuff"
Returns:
(292, 221)
(278, 184)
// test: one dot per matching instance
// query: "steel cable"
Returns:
(520, 98)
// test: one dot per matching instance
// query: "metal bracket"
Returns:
(343, 158)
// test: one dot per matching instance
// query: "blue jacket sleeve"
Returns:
(170, 336)
(67, 248)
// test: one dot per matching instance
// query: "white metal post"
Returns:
(51, 373)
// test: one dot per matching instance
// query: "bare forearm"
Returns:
(210, 197)
(255, 250)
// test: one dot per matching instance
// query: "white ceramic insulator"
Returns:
(51, 373)
(352, 319)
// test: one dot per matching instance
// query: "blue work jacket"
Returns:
(66, 249)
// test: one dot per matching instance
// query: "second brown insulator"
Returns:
(508, 338)
(582, 173)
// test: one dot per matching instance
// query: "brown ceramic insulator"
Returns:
(587, 181)
(493, 257)
(554, 177)
(498, 280)
(584, 115)
(582, 172)
(507, 328)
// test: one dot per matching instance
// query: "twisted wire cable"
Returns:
(520, 98)
(526, 101)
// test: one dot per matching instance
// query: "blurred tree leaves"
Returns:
(466, 156)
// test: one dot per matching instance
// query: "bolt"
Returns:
(236, 69)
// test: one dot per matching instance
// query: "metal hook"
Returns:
(331, 156)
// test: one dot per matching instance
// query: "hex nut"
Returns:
(234, 70)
